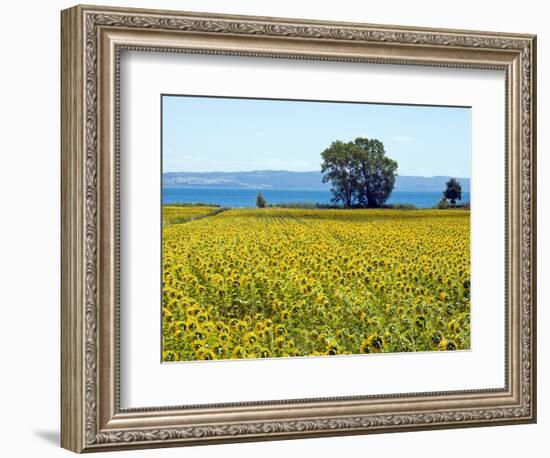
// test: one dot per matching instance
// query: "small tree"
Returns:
(453, 191)
(260, 201)
(443, 204)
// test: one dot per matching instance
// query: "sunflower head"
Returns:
(365, 348)
(452, 326)
(205, 354)
(279, 343)
(250, 338)
(436, 337)
(280, 330)
(238, 352)
(202, 317)
(331, 347)
(169, 355)
(376, 343)
(420, 322)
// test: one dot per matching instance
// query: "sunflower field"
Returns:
(263, 283)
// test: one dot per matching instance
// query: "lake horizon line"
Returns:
(246, 197)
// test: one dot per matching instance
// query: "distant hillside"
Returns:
(427, 184)
(282, 179)
(260, 179)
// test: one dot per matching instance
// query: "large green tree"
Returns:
(339, 168)
(360, 172)
(376, 172)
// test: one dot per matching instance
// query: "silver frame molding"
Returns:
(92, 40)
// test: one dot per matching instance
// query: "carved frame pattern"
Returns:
(82, 400)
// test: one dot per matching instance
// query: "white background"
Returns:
(145, 76)
(29, 242)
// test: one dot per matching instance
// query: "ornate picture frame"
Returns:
(93, 39)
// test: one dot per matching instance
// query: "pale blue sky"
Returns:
(203, 134)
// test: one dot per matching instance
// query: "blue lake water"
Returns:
(239, 198)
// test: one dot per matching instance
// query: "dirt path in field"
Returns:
(195, 218)
(214, 213)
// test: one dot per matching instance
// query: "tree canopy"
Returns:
(453, 192)
(360, 172)
(260, 201)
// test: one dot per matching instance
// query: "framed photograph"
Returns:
(278, 228)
